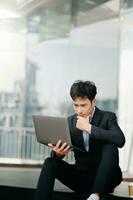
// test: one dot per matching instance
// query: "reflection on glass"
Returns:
(60, 45)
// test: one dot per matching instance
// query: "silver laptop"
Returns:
(51, 129)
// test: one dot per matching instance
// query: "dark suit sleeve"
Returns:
(54, 156)
(112, 134)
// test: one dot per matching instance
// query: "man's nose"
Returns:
(79, 110)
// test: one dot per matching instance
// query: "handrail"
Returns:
(21, 143)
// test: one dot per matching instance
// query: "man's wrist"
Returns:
(89, 128)
(55, 156)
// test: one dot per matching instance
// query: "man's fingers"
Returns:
(88, 117)
(57, 147)
(63, 146)
(60, 149)
(58, 144)
(68, 149)
(50, 145)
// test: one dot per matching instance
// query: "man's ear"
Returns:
(94, 102)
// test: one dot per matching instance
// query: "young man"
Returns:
(96, 170)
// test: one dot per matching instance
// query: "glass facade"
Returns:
(65, 45)
(126, 82)
(44, 52)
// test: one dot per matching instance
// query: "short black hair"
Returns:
(83, 89)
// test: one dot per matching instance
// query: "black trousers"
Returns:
(103, 180)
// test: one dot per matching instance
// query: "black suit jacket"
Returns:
(104, 130)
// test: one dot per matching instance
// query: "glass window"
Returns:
(126, 83)
(56, 44)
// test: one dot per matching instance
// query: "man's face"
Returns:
(83, 106)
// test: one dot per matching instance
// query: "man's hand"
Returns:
(60, 149)
(83, 124)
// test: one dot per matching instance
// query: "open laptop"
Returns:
(51, 129)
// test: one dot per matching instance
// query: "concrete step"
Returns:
(20, 183)
(14, 193)
(73, 196)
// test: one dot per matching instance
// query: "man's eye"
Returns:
(75, 106)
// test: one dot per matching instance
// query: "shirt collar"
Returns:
(92, 113)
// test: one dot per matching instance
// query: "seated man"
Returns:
(96, 170)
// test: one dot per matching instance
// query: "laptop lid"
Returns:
(51, 129)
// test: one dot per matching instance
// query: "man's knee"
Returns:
(48, 160)
(48, 163)
(49, 166)
(51, 163)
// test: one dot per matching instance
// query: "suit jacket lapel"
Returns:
(96, 117)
